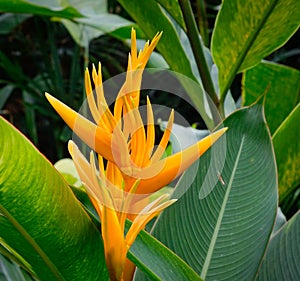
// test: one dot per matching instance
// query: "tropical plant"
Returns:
(226, 223)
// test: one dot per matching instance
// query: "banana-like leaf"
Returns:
(158, 262)
(221, 225)
(282, 259)
(248, 31)
(174, 10)
(281, 85)
(84, 20)
(151, 19)
(42, 224)
(287, 150)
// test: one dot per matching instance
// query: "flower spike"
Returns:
(124, 168)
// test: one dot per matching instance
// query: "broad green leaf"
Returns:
(42, 224)
(151, 19)
(281, 85)
(248, 31)
(173, 8)
(222, 224)
(287, 151)
(46, 8)
(282, 259)
(157, 261)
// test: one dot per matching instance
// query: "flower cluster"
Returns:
(125, 167)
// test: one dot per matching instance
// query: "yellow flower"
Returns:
(120, 136)
(113, 205)
(134, 168)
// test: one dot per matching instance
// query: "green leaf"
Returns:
(287, 150)
(42, 224)
(248, 31)
(46, 8)
(221, 225)
(157, 261)
(283, 255)
(151, 19)
(281, 85)
(173, 8)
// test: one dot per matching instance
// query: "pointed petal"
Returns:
(148, 49)
(95, 137)
(164, 140)
(90, 96)
(114, 245)
(166, 170)
(133, 46)
(150, 134)
(145, 216)
(127, 204)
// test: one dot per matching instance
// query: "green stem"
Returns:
(193, 35)
(202, 21)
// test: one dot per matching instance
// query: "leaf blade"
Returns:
(41, 219)
(252, 32)
(281, 261)
(215, 230)
(287, 149)
(281, 85)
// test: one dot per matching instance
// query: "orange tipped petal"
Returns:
(147, 214)
(166, 170)
(95, 137)
(133, 46)
(150, 134)
(115, 247)
(164, 140)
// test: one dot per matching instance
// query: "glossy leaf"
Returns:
(222, 224)
(283, 255)
(151, 19)
(287, 150)
(42, 224)
(169, 44)
(248, 31)
(45, 8)
(173, 8)
(158, 262)
(281, 84)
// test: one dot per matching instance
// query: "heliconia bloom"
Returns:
(134, 167)
(113, 206)
(120, 136)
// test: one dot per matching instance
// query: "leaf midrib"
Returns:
(33, 243)
(248, 44)
(221, 214)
